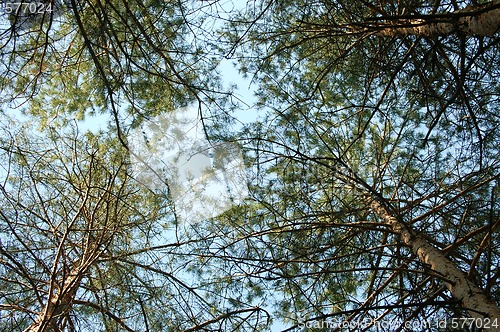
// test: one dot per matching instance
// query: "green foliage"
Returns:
(129, 59)
(408, 121)
(350, 115)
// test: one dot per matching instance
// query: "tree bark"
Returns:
(464, 290)
(58, 305)
(472, 21)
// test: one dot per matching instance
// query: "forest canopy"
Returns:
(370, 145)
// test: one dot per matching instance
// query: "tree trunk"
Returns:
(464, 290)
(472, 21)
(58, 305)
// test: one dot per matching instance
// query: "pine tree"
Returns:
(377, 166)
